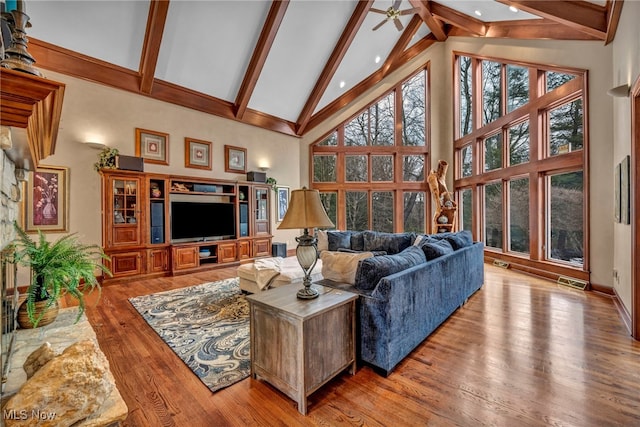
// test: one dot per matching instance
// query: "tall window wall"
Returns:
(520, 161)
(370, 169)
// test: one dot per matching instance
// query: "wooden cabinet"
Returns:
(290, 346)
(136, 226)
(125, 264)
(158, 260)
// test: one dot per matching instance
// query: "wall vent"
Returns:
(500, 263)
(573, 283)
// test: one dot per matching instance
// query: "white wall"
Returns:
(626, 69)
(592, 56)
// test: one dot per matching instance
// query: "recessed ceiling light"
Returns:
(342, 83)
(477, 12)
(377, 59)
(513, 8)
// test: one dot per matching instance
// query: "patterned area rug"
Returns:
(207, 326)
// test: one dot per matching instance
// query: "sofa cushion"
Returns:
(459, 239)
(371, 270)
(323, 240)
(392, 243)
(341, 266)
(434, 248)
(339, 239)
(357, 241)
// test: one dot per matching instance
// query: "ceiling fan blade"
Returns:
(399, 25)
(396, 4)
(409, 11)
(373, 9)
(379, 25)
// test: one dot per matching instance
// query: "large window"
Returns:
(521, 162)
(370, 169)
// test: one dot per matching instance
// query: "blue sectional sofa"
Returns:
(409, 289)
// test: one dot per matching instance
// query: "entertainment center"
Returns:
(155, 225)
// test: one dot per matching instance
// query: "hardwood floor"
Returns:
(522, 351)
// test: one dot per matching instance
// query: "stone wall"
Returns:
(9, 199)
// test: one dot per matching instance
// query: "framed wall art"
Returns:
(235, 159)
(46, 202)
(283, 201)
(197, 154)
(152, 146)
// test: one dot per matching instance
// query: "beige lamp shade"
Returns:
(305, 211)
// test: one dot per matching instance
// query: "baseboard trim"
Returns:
(622, 311)
(603, 289)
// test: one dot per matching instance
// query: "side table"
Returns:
(299, 345)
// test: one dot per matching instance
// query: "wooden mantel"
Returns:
(34, 104)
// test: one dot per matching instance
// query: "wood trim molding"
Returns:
(35, 104)
(625, 316)
(402, 42)
(635, 209)
(453, 17)
(435, 25)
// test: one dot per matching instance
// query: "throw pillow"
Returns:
(339, 239)
(341, 266)
(459, 239)
(357, 241)
(323, 240)
(434, 248)
(392, 243)
(371, 270)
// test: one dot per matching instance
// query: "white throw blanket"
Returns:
(285, 269)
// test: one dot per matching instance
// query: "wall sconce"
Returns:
(263, 165)
(621, 91)
(95, 145)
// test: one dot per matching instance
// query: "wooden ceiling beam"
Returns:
(614, 9)
(259, 56)
(402, 43)
(580, 15)
(424, 10)
(156, 20)
(330, 68)
(458, 19)
(530, 29)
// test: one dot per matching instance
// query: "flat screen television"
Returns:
(193, 221)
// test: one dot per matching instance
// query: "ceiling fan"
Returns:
(393, 13)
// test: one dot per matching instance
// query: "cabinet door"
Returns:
(185, 257)
(123, 212)
(244, 249)
(261, 247)
(127, 264)
(226, 252)
(158, 260)
(261, 210)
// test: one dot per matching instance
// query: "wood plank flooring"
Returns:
(522, 352)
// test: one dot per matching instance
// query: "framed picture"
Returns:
(152, 146)
(283, 201)
(625, 195)
(197, 154)
(46, 201)
(235, 159)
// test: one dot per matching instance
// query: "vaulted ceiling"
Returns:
(281, 65)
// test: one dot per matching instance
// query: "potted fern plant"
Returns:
(65, 266)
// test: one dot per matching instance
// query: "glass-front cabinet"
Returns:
(261, 206)
(123, 211)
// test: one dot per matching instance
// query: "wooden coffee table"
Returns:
(299, 345)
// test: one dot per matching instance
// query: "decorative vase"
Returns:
(49, 210)
(49, 316)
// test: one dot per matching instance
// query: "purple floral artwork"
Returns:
(45, 198)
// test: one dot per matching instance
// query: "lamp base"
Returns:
(308, 293)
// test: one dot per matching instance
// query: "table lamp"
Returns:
(306, 211)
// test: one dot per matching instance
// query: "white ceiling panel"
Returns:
(491, 11)
(360, 60)
(307, 36)
(422, 32)
(207, 45)
(112, 31)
